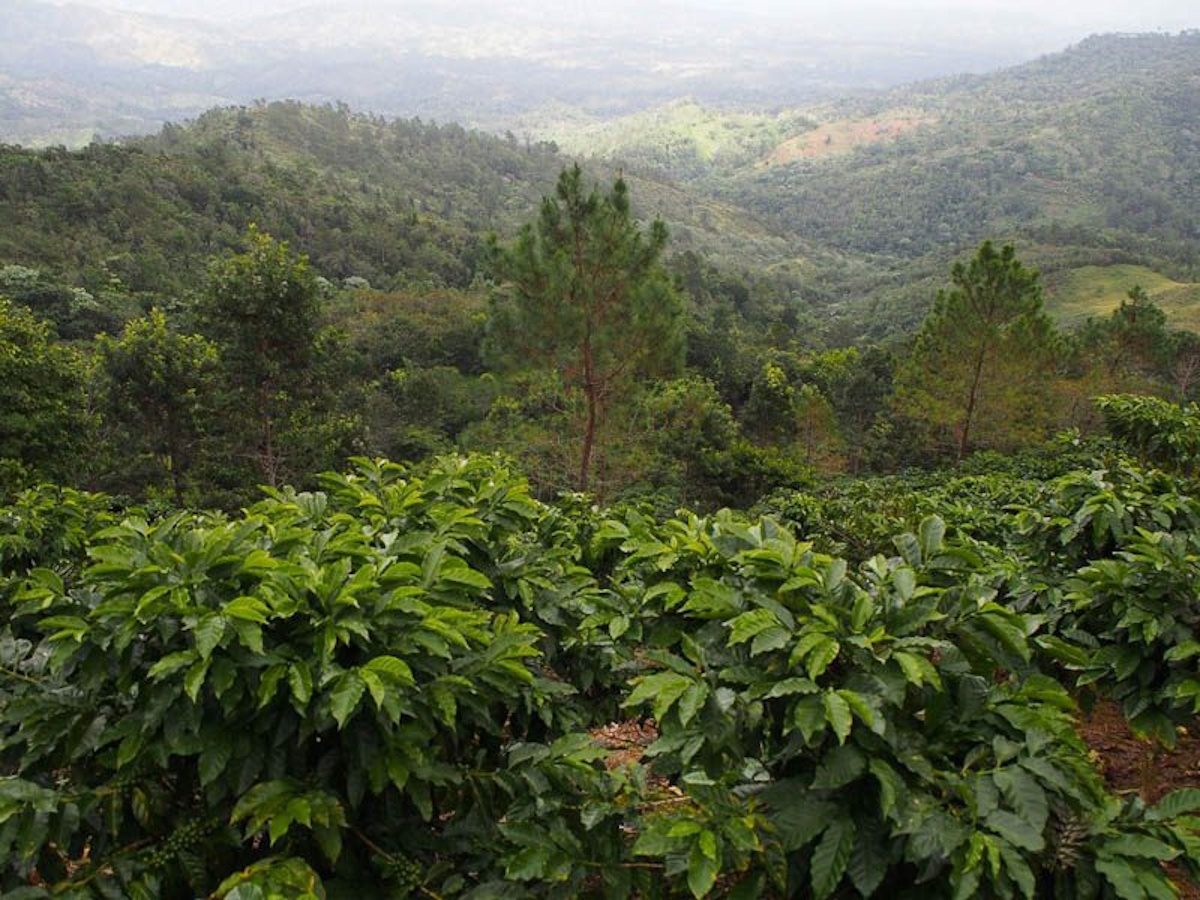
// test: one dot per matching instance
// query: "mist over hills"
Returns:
(75, 70)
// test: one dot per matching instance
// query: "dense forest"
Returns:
(390, 509)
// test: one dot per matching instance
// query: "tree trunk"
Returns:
(269, 468)
(590, 392)
(972, 398)
(173, 459)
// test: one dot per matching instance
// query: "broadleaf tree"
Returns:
(43, 418)
(156, 382)
(980, 371)
(261, 309)
(585, 293)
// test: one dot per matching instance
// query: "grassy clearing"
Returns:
(1076, 294)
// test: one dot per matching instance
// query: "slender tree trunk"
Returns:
(972, 398)
(268, 437)
(590, 392)
(173, 460)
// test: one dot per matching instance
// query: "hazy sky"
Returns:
(1080, 16)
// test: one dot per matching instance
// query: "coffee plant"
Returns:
(387, 687)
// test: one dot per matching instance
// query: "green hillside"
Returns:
(1095, 291)
(1086, 158)
(394, 202)
(1098, 142)
(852, 211)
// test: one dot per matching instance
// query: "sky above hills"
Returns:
(1081, 16)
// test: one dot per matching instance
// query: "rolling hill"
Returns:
(391, 201)
(1089, 160)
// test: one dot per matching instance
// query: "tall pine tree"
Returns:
(586, 294)
(980, 372)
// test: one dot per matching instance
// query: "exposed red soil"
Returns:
(833, 138)
(1132, 765)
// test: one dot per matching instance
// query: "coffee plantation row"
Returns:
(391, 686)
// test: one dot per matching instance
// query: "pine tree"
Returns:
(587, 295)
(981, 367)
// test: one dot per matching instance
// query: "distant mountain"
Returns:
(392, 201)
(71, 71)
(1099, 144)
(1088, 157)
(1089, 160)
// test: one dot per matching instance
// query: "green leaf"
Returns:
(691, 701)
(269, 683)
(663, 688)
(808, 716)
(891, 786)
(392, 667)
(128, 750)
(345, 697)
(864, 609)
(171, 664)
(1122, 876)
(249, 634)
(702, 869)
(1025, 795)
(329, 839)
(840, 766)
(822, 655)
(837, 714)
(831, 857)
(869, 861)
(1015, 830)
(72, 627)
(835, 574)
(1176, 803)
(796, 815)
(904, 580)
(213, 761)
(266, 795)
(861, 709)
(194, 680)
(917, 669)
(742, 628)
(933, 533)
(248, 609)
(1139, 845)
(208, 633)
(790, 686)
(769, 640)
(529, 863)
(300, 683)
(375, 685)
(1019, 871)
(139, 802)
(465, 577)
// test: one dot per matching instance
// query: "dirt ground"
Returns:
(1130, 765)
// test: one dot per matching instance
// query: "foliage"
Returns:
(261, 309)
(158, 385)
(43, 418)
(1162, 432)
(381, 686)
(981, 365)
(588, 297)
(296, 673)
(1111, 562)
(860, 730)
